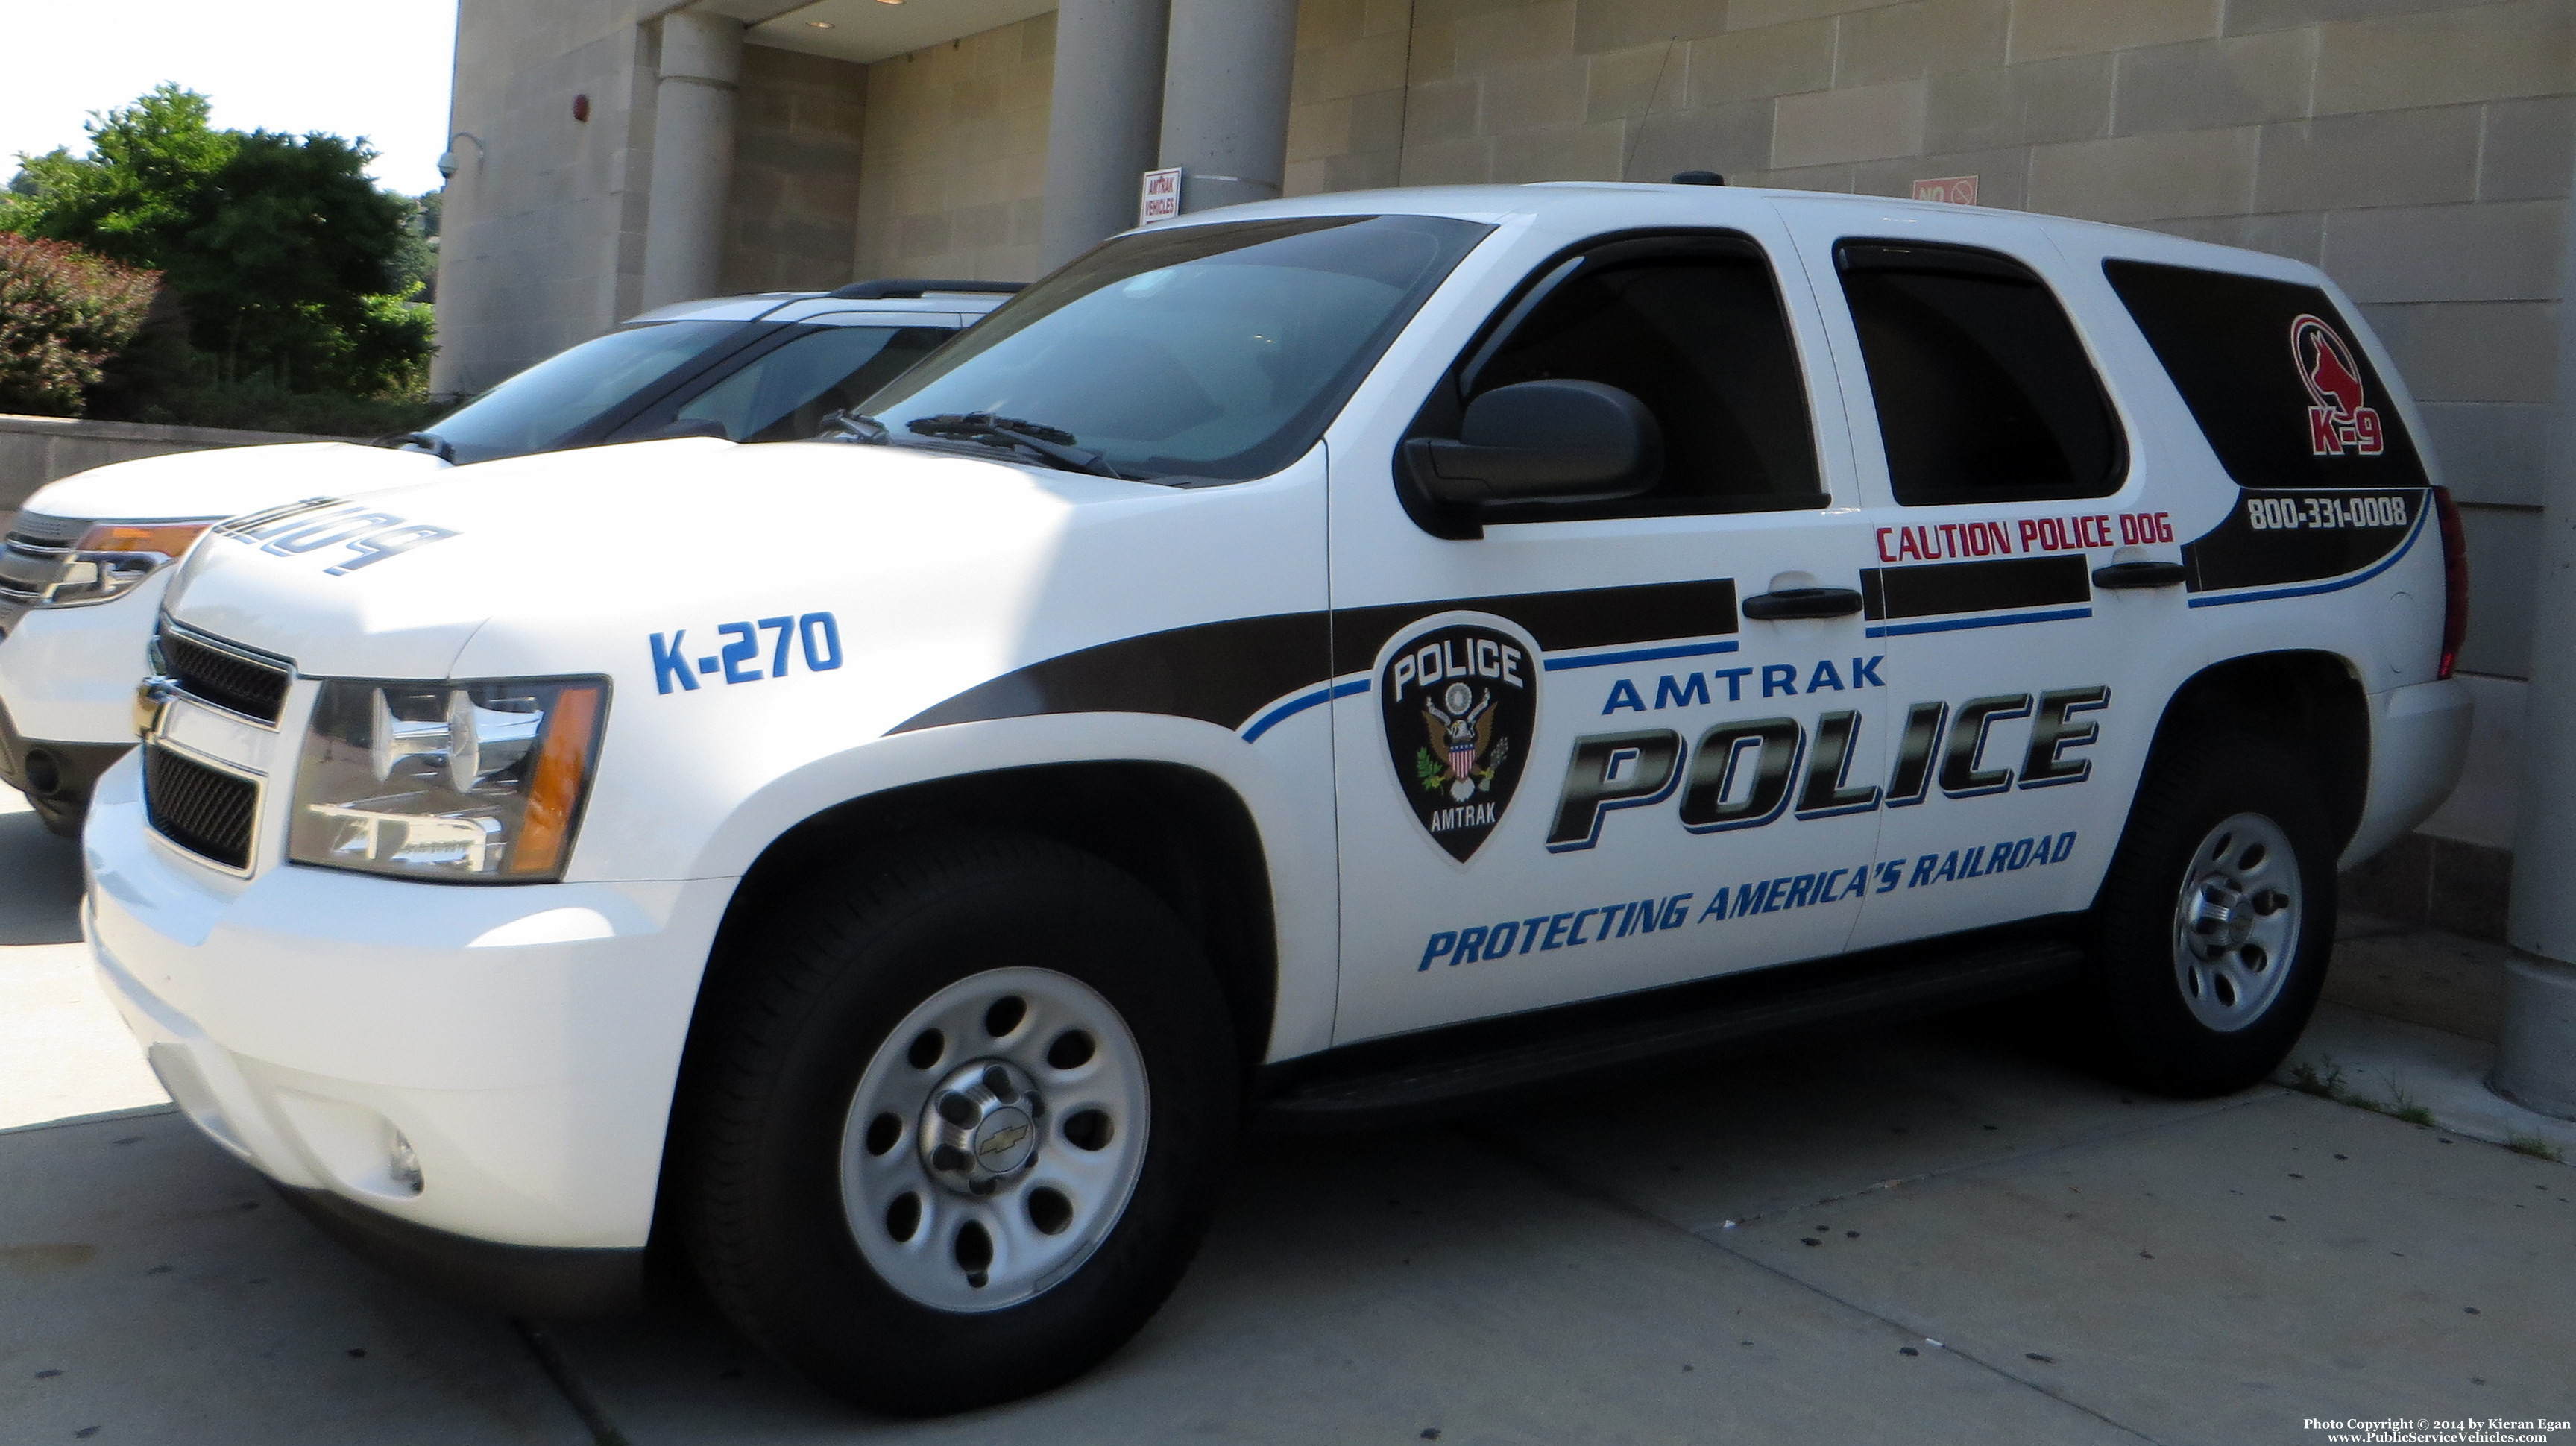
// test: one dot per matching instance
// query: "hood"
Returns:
(228, 481)
(566, 562)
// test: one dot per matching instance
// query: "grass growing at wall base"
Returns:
(2326, 1082)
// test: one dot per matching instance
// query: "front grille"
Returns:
(226, 679)
(28, 572)
(33, 554)
(43, 531)
(204, 811)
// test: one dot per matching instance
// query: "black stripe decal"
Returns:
(2277, 536)
(1594, 617)
(1224, 672)
(1215, 672)
(2002, 585)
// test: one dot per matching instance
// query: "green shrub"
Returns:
(292, 274)
(64, 313)
(261, 404)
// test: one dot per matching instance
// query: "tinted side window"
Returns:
(1694, 329)
(1982, 390)
(2270, 371)
(556, 398)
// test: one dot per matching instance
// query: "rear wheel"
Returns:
(955, 1131)
(2213, 926)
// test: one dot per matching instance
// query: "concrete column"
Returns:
(692, 156)
(1102, 121)
(2536, 1058)
(1225, 98)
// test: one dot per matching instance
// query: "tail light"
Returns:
(2455, 580)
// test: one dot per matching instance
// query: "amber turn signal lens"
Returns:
(170, 539)
(554, 788)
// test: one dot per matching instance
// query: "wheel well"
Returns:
(2309, 701)
(1181, 832)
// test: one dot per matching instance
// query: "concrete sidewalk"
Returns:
(1924, 1236)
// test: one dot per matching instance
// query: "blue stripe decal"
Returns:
(1300, 704)
(1898, 630)
(2312, 589)
(1641, 655)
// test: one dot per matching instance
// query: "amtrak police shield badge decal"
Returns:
(1459, 701)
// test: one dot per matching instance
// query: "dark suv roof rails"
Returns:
(881, 290)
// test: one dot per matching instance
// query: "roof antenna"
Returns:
(1630, 154)
(1698, 178)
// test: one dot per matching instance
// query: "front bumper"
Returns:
(67, 679)
(57, 777)
(523, 1040)
(68, 674)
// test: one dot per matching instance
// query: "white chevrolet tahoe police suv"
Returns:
(1318, 662)
(83, 567)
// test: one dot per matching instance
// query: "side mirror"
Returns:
(1545, 441)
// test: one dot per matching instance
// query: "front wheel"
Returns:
(2213, 926)
(953, 1130)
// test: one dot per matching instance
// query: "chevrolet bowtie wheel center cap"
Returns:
(980, 1127)
(2236, 922)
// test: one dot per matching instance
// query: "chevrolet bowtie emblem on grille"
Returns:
(152, 699)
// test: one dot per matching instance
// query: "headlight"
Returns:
(105, 561)
(471, 782)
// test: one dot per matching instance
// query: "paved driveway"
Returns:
(1926, 1236)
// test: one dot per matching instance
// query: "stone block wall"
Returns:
(952, 174)
(544, 238)
(927, 164)
(792, 222)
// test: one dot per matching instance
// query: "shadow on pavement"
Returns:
(40, 879)
(1933, 1235)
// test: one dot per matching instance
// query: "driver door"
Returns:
(1567, 764)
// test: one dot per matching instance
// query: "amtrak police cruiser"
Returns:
(1315, 663)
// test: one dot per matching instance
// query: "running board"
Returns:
(1416, 1076)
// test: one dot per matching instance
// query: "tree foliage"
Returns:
(288, 261)
(64, 312)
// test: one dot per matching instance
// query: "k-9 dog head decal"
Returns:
(1459, 701)
(2339, 419)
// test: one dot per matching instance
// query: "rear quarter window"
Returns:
(2275, 376)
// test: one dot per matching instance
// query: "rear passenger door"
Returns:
(1567, 764)
(1998, 477)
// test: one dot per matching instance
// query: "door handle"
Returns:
(1804, 602)
(2139, 574)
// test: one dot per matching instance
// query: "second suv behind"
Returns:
(81, 567)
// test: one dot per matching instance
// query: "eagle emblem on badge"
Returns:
(1463, 735)
(1459, 701)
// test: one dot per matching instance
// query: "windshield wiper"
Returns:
(848, 426)
(1012, 434)
(430, 442)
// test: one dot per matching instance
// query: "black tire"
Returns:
(2149, 1031)
(780, 1050)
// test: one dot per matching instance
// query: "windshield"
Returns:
(1219, 351)
(785, 395)
(540, 406)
